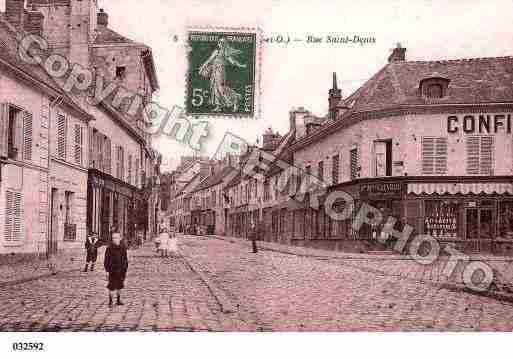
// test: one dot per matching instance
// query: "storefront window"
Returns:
(506, 220)
(441, 220)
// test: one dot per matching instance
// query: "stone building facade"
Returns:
(43, 133)
(99, 169)
(428, 143)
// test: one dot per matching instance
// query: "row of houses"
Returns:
(428, 143)
(70, 166)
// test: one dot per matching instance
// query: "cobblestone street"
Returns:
(219, 285)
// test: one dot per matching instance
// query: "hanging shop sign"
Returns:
(387, 188)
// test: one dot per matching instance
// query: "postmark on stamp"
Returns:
(222, 73)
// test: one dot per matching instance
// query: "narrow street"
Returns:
(217, 285)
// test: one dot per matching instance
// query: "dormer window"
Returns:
(434, 88)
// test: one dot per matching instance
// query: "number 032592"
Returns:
(28, 346)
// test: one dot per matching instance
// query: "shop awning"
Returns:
(460, 188)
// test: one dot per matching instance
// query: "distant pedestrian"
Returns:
(164, 243)
(173, 242)
(91, 246)
(253, 236)
(116, 265)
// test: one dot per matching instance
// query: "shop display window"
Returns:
(506, 220)
(441, 219)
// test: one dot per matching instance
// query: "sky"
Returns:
(300, 74)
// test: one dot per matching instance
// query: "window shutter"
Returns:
(434, 155)
(473, 155)
(428, 154)
(335, 169)
(106, 165)
(27, 136)
(61, 136)
(354, 163)
(78, 144)
(18, 134)
(92, 157)
(486, 158)
(136, 174)
(13, 216)
(122, 161)
(4, 126)
(129, 169)
(441, 155)
(9, 211)
(480, 155)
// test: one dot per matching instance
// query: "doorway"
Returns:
(52, 246)
(479, 228)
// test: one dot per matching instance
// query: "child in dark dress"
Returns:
(116, 264)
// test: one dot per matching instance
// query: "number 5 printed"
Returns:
(198, 97)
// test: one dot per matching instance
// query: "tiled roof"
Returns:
(186, 185)
(283, 153)
(471, 81)
(108, 36)
(214, 179)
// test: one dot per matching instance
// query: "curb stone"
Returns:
(306, 251)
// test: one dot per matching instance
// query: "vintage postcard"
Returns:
(249, 167)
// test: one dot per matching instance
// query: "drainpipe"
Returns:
(54, 103)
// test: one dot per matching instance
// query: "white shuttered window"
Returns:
(27, 136)
(13, 231)
(434, 155)
(480, 151)
(61, 136)
(79, 144)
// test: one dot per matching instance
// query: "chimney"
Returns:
(34, 22)
(335, 96)
(270, 140)
(15, 12)
(398, 54)
(103, 19)
(298, 122)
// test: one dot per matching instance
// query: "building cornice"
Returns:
(402, 110)
(68, 164)
(44, 88)
(422, 179)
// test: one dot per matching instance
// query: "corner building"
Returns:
(428, 142)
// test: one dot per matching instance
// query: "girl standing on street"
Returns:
(116, 264)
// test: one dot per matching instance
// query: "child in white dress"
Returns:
(173, 242)
(164, 242)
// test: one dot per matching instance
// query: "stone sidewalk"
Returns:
(13, 271)
(161, 294)
(403, 266)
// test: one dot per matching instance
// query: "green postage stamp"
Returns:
(223, 73)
